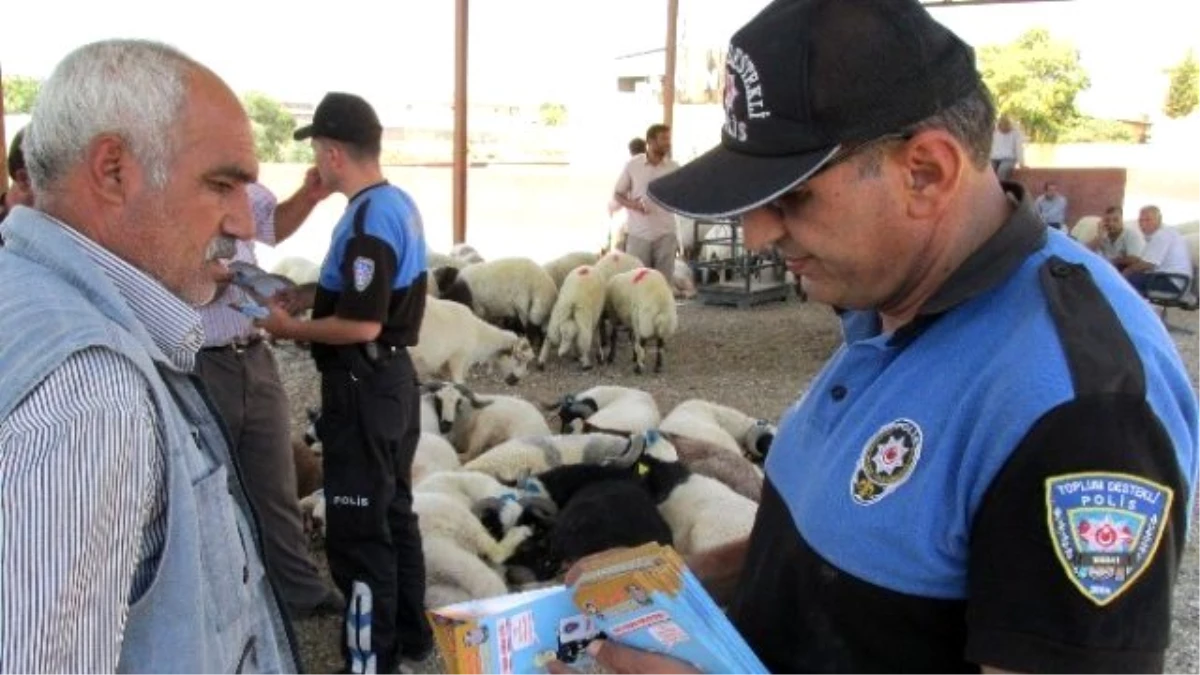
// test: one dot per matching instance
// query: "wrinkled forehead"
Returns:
(214, 130)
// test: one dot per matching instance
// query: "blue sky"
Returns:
(403, 49)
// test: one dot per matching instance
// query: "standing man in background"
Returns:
(1008, 148)
(367, 309)
(242, 377)
(618, 215)
(652, 236)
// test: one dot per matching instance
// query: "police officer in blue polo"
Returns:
(996, 468)
(367, 308)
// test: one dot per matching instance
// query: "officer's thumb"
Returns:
(612, 655)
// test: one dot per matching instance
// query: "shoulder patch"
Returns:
(887, 461)
(1105, 529)
(364, 272)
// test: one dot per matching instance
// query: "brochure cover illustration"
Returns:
(642, 597)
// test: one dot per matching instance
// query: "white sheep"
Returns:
(429, 416)
(682, 281)
(434, 455)
(466, 253)
(481, 422)
(608, 408)
(452, 339)
(616, 262)
(469, 487)
(453, 539)
(300, 270)
(705, 514)
(513, 289)
(518, 458)
(560, 267)
(642, 301)
(1085, 229)
(434, 260)
(575, 316)
(721, 425)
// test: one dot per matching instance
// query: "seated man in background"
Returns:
(1165, 251)
(1051, 205)
(1118, 244)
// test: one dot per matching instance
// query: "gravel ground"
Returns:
(715, 357)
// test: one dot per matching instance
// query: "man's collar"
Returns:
(1005, 251)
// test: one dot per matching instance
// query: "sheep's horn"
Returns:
(632, 452)
(475, 402)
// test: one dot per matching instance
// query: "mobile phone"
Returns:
(251, 310)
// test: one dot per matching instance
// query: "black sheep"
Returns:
(599, 508)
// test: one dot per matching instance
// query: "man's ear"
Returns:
(111, 169)
(934, 163)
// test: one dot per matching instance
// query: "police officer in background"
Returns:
(367, 308)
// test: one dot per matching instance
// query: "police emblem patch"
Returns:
(1105, 528)
(364, 271)
(887, 461)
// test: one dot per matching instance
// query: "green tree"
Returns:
(273, 126)
(1092, 130)
(1182, 95)
(1035, 80)
(553, 114)
(19, 94)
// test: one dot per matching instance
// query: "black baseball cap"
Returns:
(343, 117)
(805, 78)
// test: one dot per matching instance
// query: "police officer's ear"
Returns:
(934, 164)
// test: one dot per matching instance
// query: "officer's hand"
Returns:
(296, 300)
(617, 658)
(277, 322)
(314, 187)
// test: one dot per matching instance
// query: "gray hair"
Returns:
(970, 120)
(132, 88)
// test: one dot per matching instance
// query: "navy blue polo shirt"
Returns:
(375, 267)
(1005, 481)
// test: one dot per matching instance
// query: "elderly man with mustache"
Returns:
(128, 541)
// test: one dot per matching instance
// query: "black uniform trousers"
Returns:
(369, 427)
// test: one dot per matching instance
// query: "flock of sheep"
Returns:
(503, 500)
(505, 503)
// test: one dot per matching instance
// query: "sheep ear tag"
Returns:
(887, 461)
(364, 272)
(1105, 529)
(642, 469)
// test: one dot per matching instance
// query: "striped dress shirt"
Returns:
(223, 324)
(82, 503)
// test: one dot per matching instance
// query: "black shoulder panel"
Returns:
(1100, 355)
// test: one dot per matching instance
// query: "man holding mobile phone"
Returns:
(243, 380)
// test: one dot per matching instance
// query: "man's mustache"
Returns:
(221, 248)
